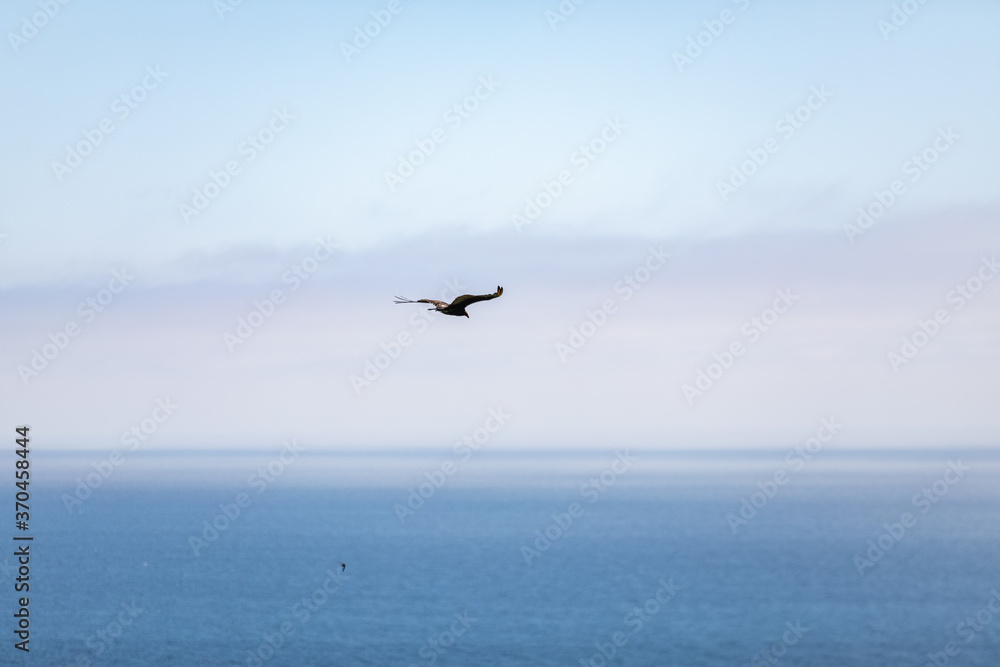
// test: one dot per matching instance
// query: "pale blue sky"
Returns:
(323, 175)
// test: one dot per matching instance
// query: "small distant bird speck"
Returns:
(343, 566)
(456, 307)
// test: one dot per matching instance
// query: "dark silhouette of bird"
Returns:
(456, 307)
(343, 566)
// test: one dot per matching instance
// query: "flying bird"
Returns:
(343, 566)
(456, 307)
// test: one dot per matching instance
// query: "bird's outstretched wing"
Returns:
(439, 304)
(468, 299)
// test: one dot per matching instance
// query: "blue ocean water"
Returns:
(642, 568)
